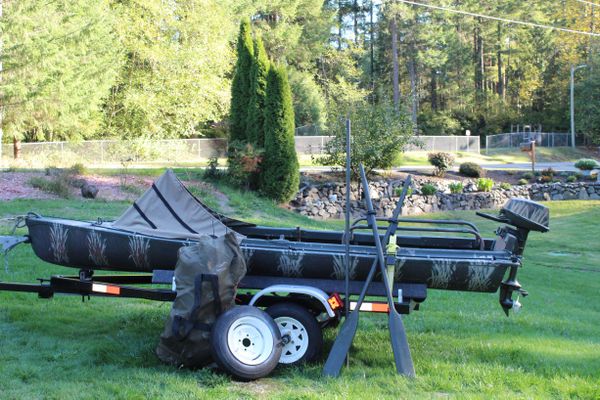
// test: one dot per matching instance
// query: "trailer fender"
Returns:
(311, 291)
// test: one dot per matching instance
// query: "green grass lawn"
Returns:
(462, 344)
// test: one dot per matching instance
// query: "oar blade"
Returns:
(402, 357)
(341, 346)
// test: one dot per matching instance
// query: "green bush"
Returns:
(571, 178)
(280, 174)
(212, 171)
(456, 187)
(471, 170)
(58, 185)
(78, 169)
(398, 191)
(505, 186)
(485, 184)
(441, 161)
(523, 182)
(527, 175)
(244, 164)
(586, 164)
(548, 172)
(428, 189)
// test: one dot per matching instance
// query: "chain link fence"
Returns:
(514, 140)
(178, 151)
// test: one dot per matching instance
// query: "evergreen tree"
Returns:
(280, 176)
(240, 87)
(258, 86)
(59, 61)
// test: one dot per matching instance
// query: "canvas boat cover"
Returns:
(169, 210)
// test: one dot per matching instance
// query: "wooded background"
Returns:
(76, 69)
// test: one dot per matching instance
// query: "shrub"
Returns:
(212, 171)
(571, 178)
(244, 163)
(485, 184)
(471, 170)
(505, 186)
(398, 191)
(78, 169)
(58, 185)
(586, 164)
(548, 172)
(428, 189)
(456, 187)
(527, 175)
(523, 182)
(280, 174)
(379, 133)
(441, 161)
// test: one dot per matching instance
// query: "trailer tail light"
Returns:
(335, 301)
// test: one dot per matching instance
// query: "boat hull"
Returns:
(86, 245)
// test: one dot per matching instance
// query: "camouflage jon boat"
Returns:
(149, 234)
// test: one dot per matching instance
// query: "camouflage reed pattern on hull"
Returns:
(58, 243)
(97, 247)
(290, 263)
(138, 251)
(339, 267)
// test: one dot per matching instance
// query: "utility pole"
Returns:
(573, 69)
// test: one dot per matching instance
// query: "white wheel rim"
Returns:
(297, 345)
(250, 340)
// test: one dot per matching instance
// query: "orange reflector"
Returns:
(335, 301)
(108, 289)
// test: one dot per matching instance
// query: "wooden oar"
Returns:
(342, 343)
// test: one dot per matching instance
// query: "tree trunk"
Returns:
(433, 91)
(395, 78)
(372, 31)
(413, 88)
(355, 12)
(340, 21)
(499, 62)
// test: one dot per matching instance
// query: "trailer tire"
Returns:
(246, 343)
(302, 330)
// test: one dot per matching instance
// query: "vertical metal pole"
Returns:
(347, 230)
(533, 157)
(572, 106)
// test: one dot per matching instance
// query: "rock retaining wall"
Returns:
(327, 200)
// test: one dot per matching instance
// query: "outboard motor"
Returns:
(525, 216)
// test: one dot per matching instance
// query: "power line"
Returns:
(589, 2)
(510, 21)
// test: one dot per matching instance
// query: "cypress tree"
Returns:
(240, 87)
(258, 86)
(280, 175)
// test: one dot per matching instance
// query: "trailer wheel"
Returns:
(301, 335)
(246, 343)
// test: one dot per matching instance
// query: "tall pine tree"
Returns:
(258, 86)
(240, 87)
(280, 176)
